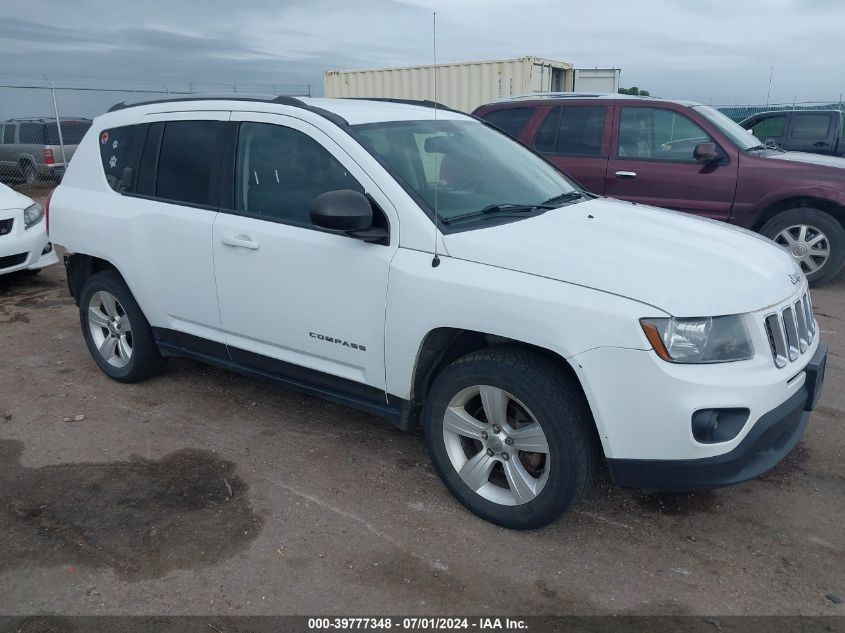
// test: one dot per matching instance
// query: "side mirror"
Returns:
(706, 153)
(346, 211)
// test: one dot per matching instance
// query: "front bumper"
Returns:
(770, 439)
(24, 249)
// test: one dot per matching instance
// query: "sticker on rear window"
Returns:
(104, 138)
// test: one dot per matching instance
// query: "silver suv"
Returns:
(30, 149)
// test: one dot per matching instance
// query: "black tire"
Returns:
(819, 221)
(145, 360)
(552, 399)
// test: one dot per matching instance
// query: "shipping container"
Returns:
(463, 86)
(601, 80)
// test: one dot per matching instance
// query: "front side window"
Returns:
(279, 171)
(572, 131)
(658, 134)
(188, 160)
(769, 128)
(810, 127)
(509, 120)
(117, 150)
(462, 166)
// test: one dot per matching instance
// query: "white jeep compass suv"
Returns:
(416, 263)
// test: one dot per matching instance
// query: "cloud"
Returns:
(718, 50)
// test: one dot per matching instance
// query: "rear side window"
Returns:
(31, 134)
(810, 126)
(279, 172)
(118, 148)
(572, 131)
(9, 134)
(189, 160)
(509, 120)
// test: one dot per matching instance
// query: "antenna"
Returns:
(435, 262)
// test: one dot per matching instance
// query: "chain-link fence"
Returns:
(41, 123)
(741, 112)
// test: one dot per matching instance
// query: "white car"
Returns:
(24, 244)
(416, 263)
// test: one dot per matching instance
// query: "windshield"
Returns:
(464, 166)
(730, 128)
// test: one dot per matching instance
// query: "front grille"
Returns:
(6, 226)
(12, 260)
(791, 330)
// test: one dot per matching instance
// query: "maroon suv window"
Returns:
(510, 120)
(571, 131)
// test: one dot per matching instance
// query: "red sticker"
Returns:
(104, 138)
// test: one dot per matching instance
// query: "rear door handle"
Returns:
(240, 241)
(626, 174)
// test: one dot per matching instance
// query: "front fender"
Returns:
(563, 318)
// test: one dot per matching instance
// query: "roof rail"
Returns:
(417, 102)
(281, 100)
(47, 119)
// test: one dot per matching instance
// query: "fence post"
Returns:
(59, 126)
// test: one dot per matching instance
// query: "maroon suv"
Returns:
(692, 158)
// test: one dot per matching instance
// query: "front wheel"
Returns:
(510, 436)
(815, 239)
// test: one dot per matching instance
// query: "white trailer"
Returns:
(463, 86)
(601, 80)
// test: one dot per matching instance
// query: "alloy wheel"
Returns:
(110, 328)
(808, 245)
(496, 445)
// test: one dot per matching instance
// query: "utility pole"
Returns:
(769, 93)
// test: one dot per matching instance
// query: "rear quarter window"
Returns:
(118, 148)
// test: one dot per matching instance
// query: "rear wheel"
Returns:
(117, 333)
(815, 239)
(510, 436)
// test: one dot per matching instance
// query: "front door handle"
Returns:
(626, 174)
(240, 241)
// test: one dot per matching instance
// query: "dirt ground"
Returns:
(204, 492)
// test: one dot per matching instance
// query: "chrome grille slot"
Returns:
(801, 321)
(808, 310)
(777, 340)
(791, 328)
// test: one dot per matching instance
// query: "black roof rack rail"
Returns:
(122, 105)
(428, 103)
(281, 100)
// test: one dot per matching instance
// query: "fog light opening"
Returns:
(710, 426)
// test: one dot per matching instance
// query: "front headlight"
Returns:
(32, 215)
(699, 340)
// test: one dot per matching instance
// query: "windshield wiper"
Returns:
(491, 209)
(756, 148)
(568, 196)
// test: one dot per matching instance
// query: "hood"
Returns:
(11, 199)
(811, 159)
(684, 265)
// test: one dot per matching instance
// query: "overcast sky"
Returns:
(719, 50)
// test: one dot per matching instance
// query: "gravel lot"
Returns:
(203, 492)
